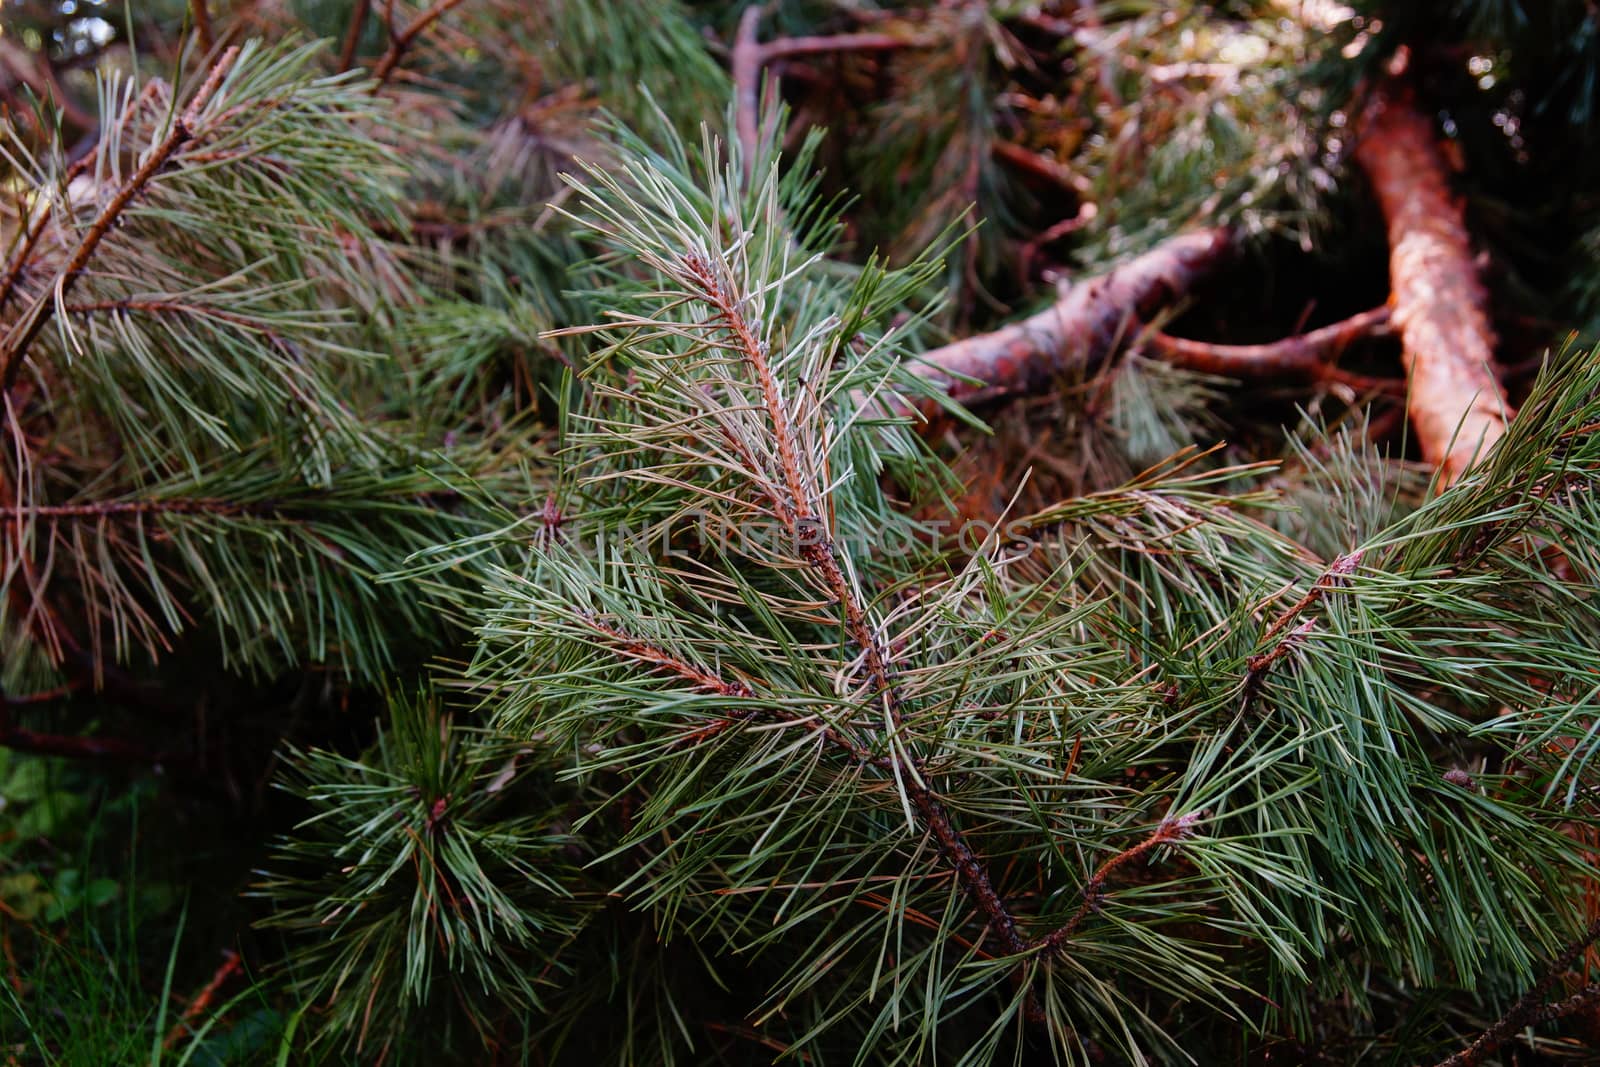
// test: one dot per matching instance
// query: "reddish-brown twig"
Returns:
(102, 748)
(44, 696)
(1081, 328)
(22, 335)
(750, 56)
(1041, 167)
(631, 647)
(231, 965)
(1171, 831)
(352, 33)
(1306, 355)
(1455, 401)
(104, 509)
(19, 263)
(400, 42)
(202, 24)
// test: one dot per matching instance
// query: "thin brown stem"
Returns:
(1528, 1007)
(400, 42)
(750, 57)
(1169, 832)
(352, 33)
(1041, 167)
(638, 650)
(22, 336)
(17, 267)
(201, 13)
(231, 964)
(1340, 568)
(266, 508)
(114, 508)
(44, 696)
(1283, 638)
(1307, 355)
(103, 748)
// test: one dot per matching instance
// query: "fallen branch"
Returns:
(1082, 327)
(1455, 401)
(750, 56)
(1304, 356)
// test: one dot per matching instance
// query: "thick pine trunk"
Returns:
(1455, 400)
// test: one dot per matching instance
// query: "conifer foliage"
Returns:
(729, 620)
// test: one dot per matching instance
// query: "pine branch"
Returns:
(1528, 1007)
(1456, 402)
(1171, 831)
(1089, 320)
(1304, 356)
(14, 348)
(800, 510)
(401, 41)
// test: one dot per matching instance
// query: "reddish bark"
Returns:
(749, 56)
(1455, 402)
(1303, 356)
(1081, 327)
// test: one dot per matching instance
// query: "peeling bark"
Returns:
(1455, 401)
(1084, 326)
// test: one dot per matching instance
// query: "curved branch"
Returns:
(352, 33)
(1082, 327)
(1307, 355)
(1455, 401)
(750, 56)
